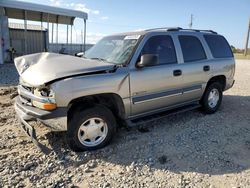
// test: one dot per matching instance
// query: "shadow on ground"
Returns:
(189, 142)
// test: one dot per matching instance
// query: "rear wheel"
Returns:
(212, 98)
(91, 129)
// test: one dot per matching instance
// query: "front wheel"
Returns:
(212, 98)
(91, 129)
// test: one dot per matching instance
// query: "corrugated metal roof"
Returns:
(37, 12)
(29, 27)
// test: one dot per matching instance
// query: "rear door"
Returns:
(195, 66)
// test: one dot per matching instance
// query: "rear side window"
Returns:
(192, 48)
(218, 45)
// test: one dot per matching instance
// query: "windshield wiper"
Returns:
(101, 59)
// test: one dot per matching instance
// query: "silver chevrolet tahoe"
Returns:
(125, 78)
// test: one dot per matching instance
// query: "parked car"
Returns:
(124, 78)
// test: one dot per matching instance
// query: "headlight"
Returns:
(49, 102)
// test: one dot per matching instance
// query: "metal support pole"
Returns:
(57, 34)
(25, 33)
(47, 32)
(52, 34)
(248, 31)
(67, 41)
(71, 39)
(42, 41)
(82, 41)
(85, 29)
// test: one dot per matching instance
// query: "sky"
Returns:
(227, 17)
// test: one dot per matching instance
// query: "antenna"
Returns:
(191, 22)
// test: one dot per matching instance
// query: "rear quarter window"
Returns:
(218, 45)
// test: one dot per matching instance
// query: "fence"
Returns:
(68, 48)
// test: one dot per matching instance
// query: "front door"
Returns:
(157, 86)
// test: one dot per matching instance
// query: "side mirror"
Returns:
(79, 54)
(148, 60)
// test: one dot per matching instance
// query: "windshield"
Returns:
(113, 49)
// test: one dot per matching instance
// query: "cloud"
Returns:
(76, 6)
(56, 3)
(140, 29)
(82, 7)
(92, 38)
(104, 18)
(96, 12)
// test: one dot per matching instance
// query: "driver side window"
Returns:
(163, 47)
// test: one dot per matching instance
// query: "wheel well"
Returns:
(220, 79)
(110, 100)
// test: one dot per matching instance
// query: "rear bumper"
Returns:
(55, 120)
(229, 84)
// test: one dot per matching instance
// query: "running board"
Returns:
(162, 115)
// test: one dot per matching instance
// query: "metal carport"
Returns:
(42, 13)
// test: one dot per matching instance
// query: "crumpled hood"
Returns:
(38, 69)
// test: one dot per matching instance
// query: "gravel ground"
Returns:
(185, 150)
(8, 75)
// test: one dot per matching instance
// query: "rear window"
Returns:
(192, 48)
(218, 45)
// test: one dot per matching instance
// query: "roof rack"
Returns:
(164, 28)
(181, 29)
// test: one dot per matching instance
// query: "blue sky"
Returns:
(227, 17)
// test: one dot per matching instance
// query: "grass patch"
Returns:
(241, 56)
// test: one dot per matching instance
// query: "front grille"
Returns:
(30, 89)
(25, 99)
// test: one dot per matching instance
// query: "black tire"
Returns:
(82, 116)
(206, 107)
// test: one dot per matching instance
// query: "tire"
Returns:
(91, 129)
(209, 105)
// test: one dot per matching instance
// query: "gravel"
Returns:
(8, 75)
(185, 150)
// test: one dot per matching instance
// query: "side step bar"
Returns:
(162, 115)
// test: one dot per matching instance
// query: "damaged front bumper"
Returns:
(56, 120)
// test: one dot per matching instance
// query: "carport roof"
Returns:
(37, 12)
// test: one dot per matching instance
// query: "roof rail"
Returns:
(199, 30)
(165, 28)
(181, 29)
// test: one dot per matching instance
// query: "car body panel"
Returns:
(38, 69)
(142, 91)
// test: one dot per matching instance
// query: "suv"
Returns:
(126, 77)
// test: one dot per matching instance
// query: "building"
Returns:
(37, 39)
(34, 12)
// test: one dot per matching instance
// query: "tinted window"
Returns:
(219, 46)
(192, 49)
(162, 46)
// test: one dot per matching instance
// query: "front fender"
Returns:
(76, 87)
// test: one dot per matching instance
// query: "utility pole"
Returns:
(247, 40)
(191, 22)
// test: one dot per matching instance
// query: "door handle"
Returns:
(206, 68)
(177, 72)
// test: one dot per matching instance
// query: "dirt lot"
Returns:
(185, 150)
